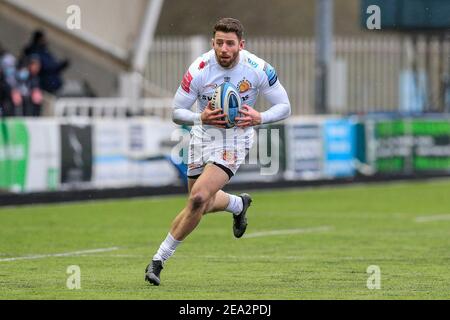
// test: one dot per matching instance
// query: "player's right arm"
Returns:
(182, 115)
(185, 98)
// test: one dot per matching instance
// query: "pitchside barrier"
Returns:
(378, 144)
(61, 154)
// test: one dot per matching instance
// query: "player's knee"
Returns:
(198, 200)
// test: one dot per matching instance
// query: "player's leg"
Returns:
(191, 182)
(237, 205)
(202, 193)
(229, 159)
(220, 202)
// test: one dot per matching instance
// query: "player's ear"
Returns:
(212, 42)
(242, 44)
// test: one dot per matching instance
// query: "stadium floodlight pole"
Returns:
(324, 53)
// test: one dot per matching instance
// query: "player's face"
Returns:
(227, 47)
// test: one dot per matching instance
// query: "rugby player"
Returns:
(212, 162)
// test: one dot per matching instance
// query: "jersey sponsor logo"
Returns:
(186, 83)
(252, 63)
(245, 98)
(271, 74)
(205, 97)
(244, 85)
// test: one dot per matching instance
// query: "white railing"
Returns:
(365, 75)
(113, 107)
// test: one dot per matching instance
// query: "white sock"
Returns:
(167, 248)
(235, 206)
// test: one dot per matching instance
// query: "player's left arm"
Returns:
(281, 106)
(277, 96)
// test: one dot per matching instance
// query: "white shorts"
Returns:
(225, 148)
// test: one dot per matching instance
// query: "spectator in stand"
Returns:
(28, 84)
(51, 68)
(12, 99)
(34, 68)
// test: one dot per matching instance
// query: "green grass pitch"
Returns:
(312, 243)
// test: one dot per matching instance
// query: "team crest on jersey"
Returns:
(271, 74)
(229, 156)
(244, 85)
(226, 79)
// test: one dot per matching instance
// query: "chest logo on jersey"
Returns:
(206, 98)
(244, 85)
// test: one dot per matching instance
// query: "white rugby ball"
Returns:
(226, 98)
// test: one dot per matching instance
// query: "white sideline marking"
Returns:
(288, 231)
(441, 217)
(66, 254)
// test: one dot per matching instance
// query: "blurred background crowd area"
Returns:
(142, 48)
(24, 79)
(368, 82)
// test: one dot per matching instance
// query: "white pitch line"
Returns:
(288, 231)
(65, 254)
(441, 217)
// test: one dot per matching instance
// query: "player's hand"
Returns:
(250, 117)
(213, 117)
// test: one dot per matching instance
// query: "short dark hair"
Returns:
(229, 25)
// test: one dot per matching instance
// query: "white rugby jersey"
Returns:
(251, 76)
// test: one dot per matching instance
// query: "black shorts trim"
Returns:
(227, 170)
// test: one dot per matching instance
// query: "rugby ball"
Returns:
(226, 98)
